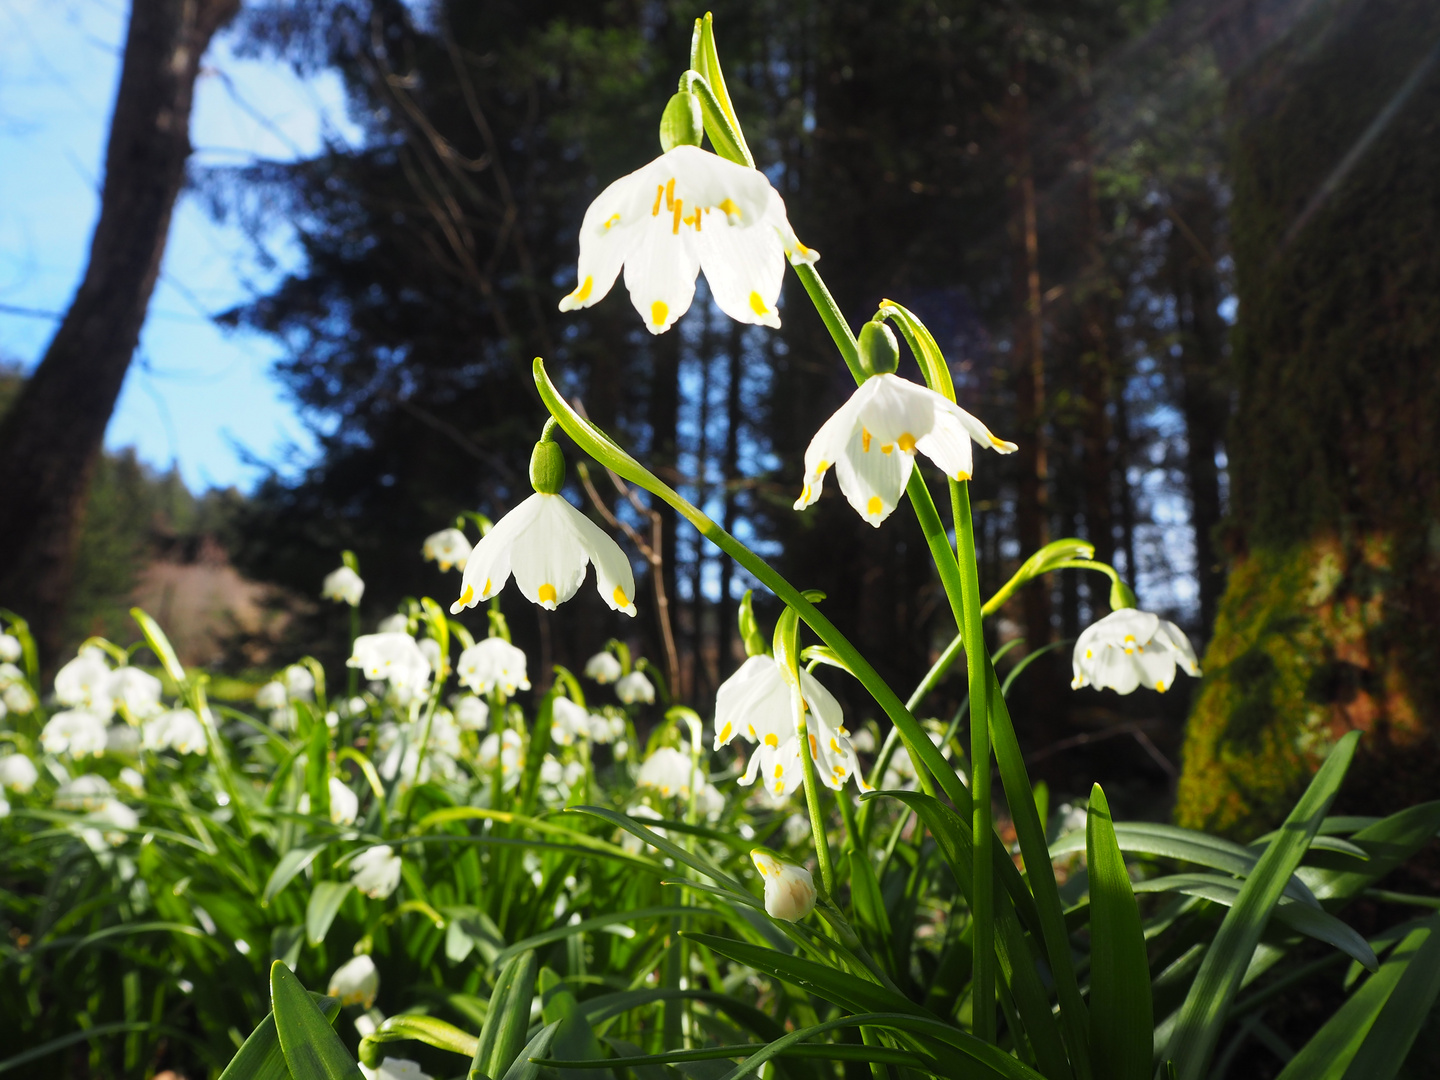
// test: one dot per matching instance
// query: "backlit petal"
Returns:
(744, 266)
(613, 575)
(660, 272)
(548, 561)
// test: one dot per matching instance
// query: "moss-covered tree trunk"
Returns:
(1331, 615)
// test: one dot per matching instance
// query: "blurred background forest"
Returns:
(1173, 249)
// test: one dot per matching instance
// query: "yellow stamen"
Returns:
(658, 311)
(670, 193)
(770, 740)
(814, 749)
(621, 600)
(659, 194)
(865, 440)
(547, 593)
(467, 595)
(757, 305)
(583, 292)
(676, 206)
(874, 506)
(906, 442)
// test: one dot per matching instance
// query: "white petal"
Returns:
(488, 567)
(872, 479)
(607, 234)
(753, 703)
(745, 267)
(948, 446)
(1115, 669)
(828, 447)
(775, 215)
(1171, 635)
(978, 431)
(614, 576)
(706, 179)
(548, 561)
(660, 271)
(1157, 666)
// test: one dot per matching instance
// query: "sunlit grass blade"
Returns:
(1384, 1050)
(324, 905)
(607, 1006)
(1389, 842)
(675, 851)
(596, 922)
(822, 1051)
(1121, 1024)
(290, 864)
(260, 1057)
(524, 1066)
(312, 1049)
(1198, 1026)
(508, 1018)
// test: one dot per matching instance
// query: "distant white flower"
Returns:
(131, 780)
(430, 649)
(355, 982)
(10, 650)
(299, 682)
(547, 544)
(87, 792)
(660, 223)
(635, 688)
(18, 773)
(122, 740)
(75, 732)
(569, 721)
(9, 673)
(376, 871)
(863, 741)
(510, 749)
(622, 750)
(789, 889)
(394, 1068)
(603, 667)
(17, 698)
(85, 683)
(448, 547)
(709, 802)
(392, 656)
(110, 820)
(272, 695)
(670, 772)
(551, 771)
(797, 829)
(872, 440)
(343, 586)
(137, 690)
(606, 729)
(755, 704)
(1130, 648)
(492, 664)
(471, 713)
(394, 624)
(344, 803)
(444, 733)
(644, 813)
(179, 730)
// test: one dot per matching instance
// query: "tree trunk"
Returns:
(1330, 619)
(51, 439)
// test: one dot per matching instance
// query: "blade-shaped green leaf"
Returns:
(675, 851)
(1121, 1025)
(1393, 1033)
(1389, 842)
(426, 1029)
(508, 1018)
(524, 1066)
(324, 905)
(260, 1057)
(290, 864)
(597, 922)
(574, 1038)
(312, 1049)
(1201, 1018)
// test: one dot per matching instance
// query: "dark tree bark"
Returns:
(1330, 620)
(51, 439)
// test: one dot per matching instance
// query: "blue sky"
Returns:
(196, 396)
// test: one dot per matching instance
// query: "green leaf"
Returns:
(159, 645)
(508, 1018)
(312, 1049)
(1197, 1028)
(260, 1057)
(524, 1066)
(596, 922)
(1389, 842)
(1331, 1049)
(574, 1038)
(705, 60)
(1121, 1024)
(736, 890)
(290, 864)
(419, 1028)
(324, 905)
(1384, 1049)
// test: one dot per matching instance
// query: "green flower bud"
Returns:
(1121, 595)
(681, 124)
(879, 351)
(547, 467)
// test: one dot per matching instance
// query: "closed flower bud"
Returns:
(682, 123)
(547, 467)
(789, 889)
(879, 351)
(355, 982)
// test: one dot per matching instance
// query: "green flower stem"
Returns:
(354, 673)
(606, 452)
(812, 801)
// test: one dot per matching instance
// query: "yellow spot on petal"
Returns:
(887, 448)
(835, 745)
(805, 494)
(659, 310)
(906, 442)
(547, 593)
(614, 220)
(1160, 686)
(770, 740)
(621, 600)
(725, 731)
(865, 440)
(821, 468)
(874, 506)
(730, 209)
(1089, 654)
(467, 595)
(485, 591)
(779, 789)
(779, 771)
(814, 749)
(757, 305)
(752, 731)
(583, 292)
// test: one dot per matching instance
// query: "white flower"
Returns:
(789, 889)
(137, 690)
(634, 688)
(376, 871)
(603, 667)
(510, 748)
(272, 695)
(551, 771)
(660, 224)
(355, 982)
(179, 730)
(344, 803)
(9, 673)
(632, 843)
(872, 439)
(87, 792)
(755, 703)
(472, 713)
(1130, 648)
(392, 656)
(18, 773)
(112, 817)
(122, 739)
(10, 650)
(76, 732)
(343, 586)
(797, 829)
(394, 624)
(17, 697)
(569, 721)
(547, 544)
(299, 682)
(492, 664)
(606, 729)
(863, 741)
(448, 547)
(445, 733)
(709, 803)
(85, 683)
(131, 780)
(670, 772)
(393, 1068)
(430, 649)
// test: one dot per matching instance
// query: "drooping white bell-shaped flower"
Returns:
(492, 664)
(122, 740)
(1130, 648)
(10, 650)
(394, 657)
(299, 683)
(872, 440)
(789, 889)
(85, 683)
(87, 792)
(17, 698)
(344, 803)
(355, 982)
(131, 780)
(604, 667)
(570, 722)
(18, 773)
(396, 1068)
(77, 732)
(448, 548)
(755, 704)
(394, 624)
(376, 871)
(272, 695)
(606, 729)
(179, 730)
(506, 750)
(671, 772)
(688, 210)
(471, 713)
(635, 688)
(137, 690)
(110, 821)
(344, 586)
(547, 544)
